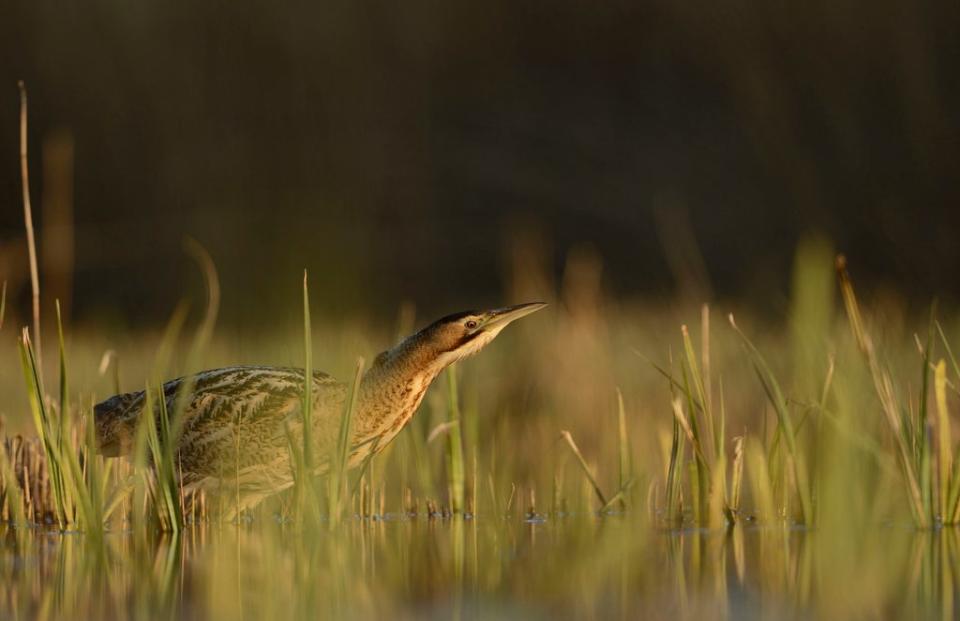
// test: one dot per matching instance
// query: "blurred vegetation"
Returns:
(394, 151)
(603, 460)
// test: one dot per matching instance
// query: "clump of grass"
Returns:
(697, 422)
(49, 430)
(13, 506)
(785, 426)
(909, 434)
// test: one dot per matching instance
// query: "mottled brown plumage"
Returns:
(239, 422)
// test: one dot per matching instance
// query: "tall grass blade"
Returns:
(674, 512)
(944, 439)
(566, 435)
(337, 484)
(919, 427)
(456, 472)
(684, 422)
(623, 444)
(884, 389)
(28, 221)
(736, 484)
(307, 406)
(946, 346)
(698, 384)
(785, 424)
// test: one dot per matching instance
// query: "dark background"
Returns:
(400, 150)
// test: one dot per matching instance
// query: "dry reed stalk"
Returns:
(883, 385)
(28, 218)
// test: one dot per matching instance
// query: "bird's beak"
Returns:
(500, 317)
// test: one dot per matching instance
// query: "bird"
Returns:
(237, 424)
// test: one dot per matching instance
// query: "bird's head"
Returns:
(463, 334)
(406, 371)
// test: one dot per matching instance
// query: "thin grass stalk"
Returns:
(674, 487)
(141, 475)
(695, 376)
(64, 392)
(673, 382)
(97, 480)
(944, 442)
(162, 456)
(301, 453)
(706, 367)
(337, 484)
(736, 482)
(884, 388)
(306, 407)
(681, 417)
(919, 427)
(946, 346)
(302, 496)
(568, 437)
(28, 219)
(693, 430)
(455, 444)
(952, 515)
(674, 513)
(623, 444)
(720, 467)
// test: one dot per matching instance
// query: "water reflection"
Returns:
(483, 568)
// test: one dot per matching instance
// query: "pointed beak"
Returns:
(500, 317)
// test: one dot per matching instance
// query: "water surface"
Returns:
(575, 567)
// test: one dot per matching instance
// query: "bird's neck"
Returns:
(393, 387)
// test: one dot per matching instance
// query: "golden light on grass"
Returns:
(775, 475)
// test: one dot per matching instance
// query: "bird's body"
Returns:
(239, 423)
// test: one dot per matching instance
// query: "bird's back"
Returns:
(234, 417)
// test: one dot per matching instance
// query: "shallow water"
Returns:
(605, 568)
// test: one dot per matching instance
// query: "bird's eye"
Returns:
(471, 324)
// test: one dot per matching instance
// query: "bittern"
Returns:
(239, 423)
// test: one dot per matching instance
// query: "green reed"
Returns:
(760, 429)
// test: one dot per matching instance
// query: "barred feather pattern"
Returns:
(236, 420)
(239, 422)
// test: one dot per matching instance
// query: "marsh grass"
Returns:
(784, 458)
